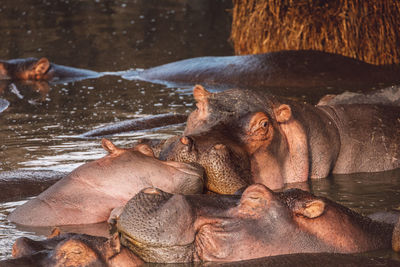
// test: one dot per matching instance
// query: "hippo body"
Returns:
(286, 141)
(297, 69)
(90, 192)
(41, 69)
(166, 228)
(386, 96)
(138, 124)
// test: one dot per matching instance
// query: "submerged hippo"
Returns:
(42, 69)
(90, 192)
(71, 249)
(167, 228)
(286, 141)
(386, 96)
(297, 69)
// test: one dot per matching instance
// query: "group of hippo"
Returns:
(207, 195)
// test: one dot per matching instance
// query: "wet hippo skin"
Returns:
(386, 96)
(138, 124)
(90, 192)
(286, 141)
(166, 228)
(292, 68)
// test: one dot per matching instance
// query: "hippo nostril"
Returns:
(219, 146)
(151, 191)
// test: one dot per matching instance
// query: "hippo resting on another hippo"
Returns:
(42, 69)
(90, 192)
(272, 71)
(166, 228)
(283, 141)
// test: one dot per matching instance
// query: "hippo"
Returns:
(275, 71)
(161, 227)
(90, 192)
(387, 96)
(287, 141)
(99, 251)
(138, 124)
(71, 249)
(42, 70)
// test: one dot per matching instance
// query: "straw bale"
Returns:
(366, 30)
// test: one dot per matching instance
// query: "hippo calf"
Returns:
(90, 192)
(167, 228)
(286, 141)
(42, 69)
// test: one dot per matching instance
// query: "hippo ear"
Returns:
(254, 200)
(55, 232)
(200, 93)
(311, 209)
(42, 66)
(108, 145)
(283, 113)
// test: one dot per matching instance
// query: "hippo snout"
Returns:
(154, 223)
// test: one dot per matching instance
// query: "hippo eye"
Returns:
(264, 124)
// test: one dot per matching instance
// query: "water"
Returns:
(38, 131)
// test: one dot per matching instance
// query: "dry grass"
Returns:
(366, 30)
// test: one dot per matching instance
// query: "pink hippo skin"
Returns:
(286, 141)
(166, 228)
(90, 192)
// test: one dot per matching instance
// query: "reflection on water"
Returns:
(38, 130)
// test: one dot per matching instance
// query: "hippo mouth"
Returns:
(158, 254)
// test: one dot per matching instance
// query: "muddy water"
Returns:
(38, 132)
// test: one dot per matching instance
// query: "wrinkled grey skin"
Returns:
(166, 228)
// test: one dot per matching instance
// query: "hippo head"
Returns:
(71, 249)
(26, 69)
(166, 228)
(266, 129)
(226, 165)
